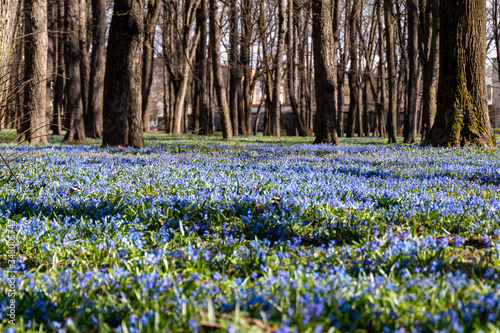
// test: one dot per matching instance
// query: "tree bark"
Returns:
(325, 61)
(392, 115)
(85, 65)
(122, 116)
(237, 121)
(215, 39)
(35, 128)
(411, 112)
(278, 70)
(292, 59)
(201, 70)
(57, 120)
(97, 68)
(352, 74)
(73, 59)
(153, 14)
(462, 117)
(9, 23)
(245, 60)
(429, 55)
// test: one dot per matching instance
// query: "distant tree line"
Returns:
(85, 68)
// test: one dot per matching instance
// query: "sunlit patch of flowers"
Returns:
(186, 237)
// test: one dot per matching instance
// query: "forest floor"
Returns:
(256, 234)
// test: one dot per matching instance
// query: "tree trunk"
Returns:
(97, 68)
(462, 117)
(248, 80)
(429, 17)
(153, 14)
(380, 104)
(215, 39)
(392, 115)
(122, 116)
(278, 70)
(237, 121)
(85, 66)
(201, 70)
(292, 59)
(59, 84)
(73, 59)
(352, 74)
(35, 129)
(9, 23)
(325, 61)
(411, 112)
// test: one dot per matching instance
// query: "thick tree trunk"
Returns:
(462, 117)
(9, 14)
(215, 39)
(97, 68)
(392, 115)
(35, 128)
(325, 61)
(154, 7)
(122, 113)
(73, 59)
(411, 112)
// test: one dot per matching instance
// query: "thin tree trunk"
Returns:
(201, 70)
(411, 112)
(237, 119)
(278, 70)
(380, 104)
(430, 63)
(292, 60)
(59, 84)
(85, 66)
(154, 7)
(392, 115)
(353, 75)
(215, 39)
(248, 80)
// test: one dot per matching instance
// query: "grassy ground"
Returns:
(254, 234)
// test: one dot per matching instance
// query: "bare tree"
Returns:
(215, 39)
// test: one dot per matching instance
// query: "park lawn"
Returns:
(255, 234)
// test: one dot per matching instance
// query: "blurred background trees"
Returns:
(271, 66)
